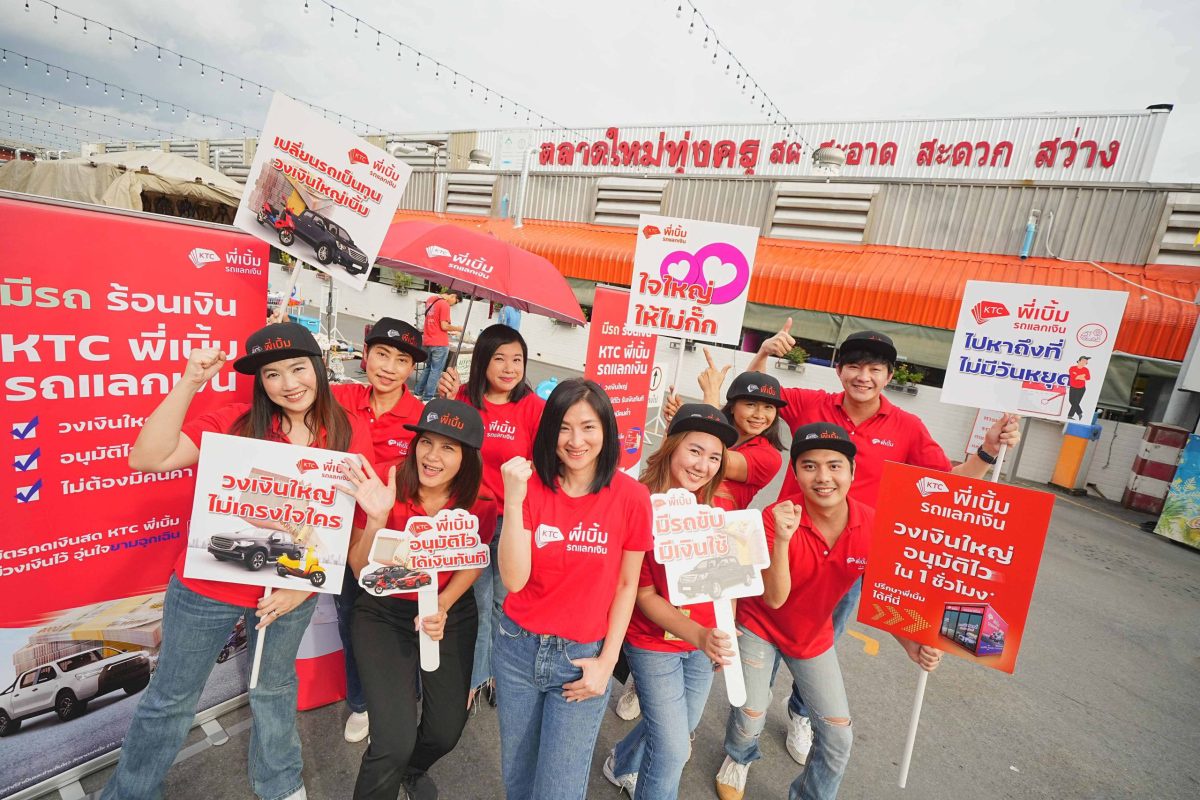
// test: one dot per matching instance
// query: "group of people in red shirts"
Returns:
(569, 592)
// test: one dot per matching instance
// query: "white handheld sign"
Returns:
(410, 560)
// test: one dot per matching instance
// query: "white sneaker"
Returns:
(731, 780)
(799, 738)
(625, 782)
(357, 726)
(629, 707)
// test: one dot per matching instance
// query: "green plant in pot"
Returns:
(905, 374)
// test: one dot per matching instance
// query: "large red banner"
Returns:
(100, 310)
(621, 361)
(953, 562)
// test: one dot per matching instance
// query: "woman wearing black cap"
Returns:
(290, 403)
(672, 651)
(442, 470)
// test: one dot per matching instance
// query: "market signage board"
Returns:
(320, 193)
(691, 279)
(1039, 351)
(954, 561)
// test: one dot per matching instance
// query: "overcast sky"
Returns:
(619, 62)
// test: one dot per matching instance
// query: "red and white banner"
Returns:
(621, 362)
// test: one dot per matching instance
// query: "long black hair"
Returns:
(774, 432)
(545, 441)
(323, 416)
(491, 339)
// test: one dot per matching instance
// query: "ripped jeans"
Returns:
(819, 680)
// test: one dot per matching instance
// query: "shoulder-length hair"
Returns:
(545, 441)
(657, 474)
(464, 487)
(774, 432)
(491, 339)
(325, 419)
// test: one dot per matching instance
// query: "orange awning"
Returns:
(897, 284)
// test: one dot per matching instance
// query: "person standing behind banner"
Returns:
(442, 471)
(819, 539)
(510, 409)
(437, 341)
(291, 403)
(386, 407)
(672, 652)
(575, 531)
(881, 432)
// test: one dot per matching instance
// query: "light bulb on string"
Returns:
(56, 13)
(222, 81)
(181, 62)
(122, 92)
(704, 45)
(202, 70)
(305, 6)
(356, 27)
(331, 16)
(68, 74)
(241, 85)
(160, 54)
(714, 59)
(260, 91)
(85, 25)
(110, 35)
(135, 45)
(679, 11)
(47, 70)
(378, 42)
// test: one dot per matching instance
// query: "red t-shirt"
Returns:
(508, 430)
(892, 434)
(576, 551)
(646, 634)
(762, 463)
(484, 509)
(1077, 377)
(437, 311)
(220, 421)
(388, 434)
(803, 626)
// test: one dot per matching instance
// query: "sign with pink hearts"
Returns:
(691, 279)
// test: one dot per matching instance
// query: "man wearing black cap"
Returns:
(387, 407)
(881, 432)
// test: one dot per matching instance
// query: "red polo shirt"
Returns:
(576, 548)
(892, 434)
(388, 434)
(1077, 377)
(762, 463)
(484, 509)
(821, 575)
(437, 311)
(220, 421)
(508, 430)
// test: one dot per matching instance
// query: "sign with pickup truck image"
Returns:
(267, 514)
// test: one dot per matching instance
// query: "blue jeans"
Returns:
(489, 598)
(841, 616)
(427, 385)
(819, 679)
(194, 630)
(546, 743)
(344, 603)
(672, 688)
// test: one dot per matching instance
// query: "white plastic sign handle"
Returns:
(258, 649)
(735, 681)
(427, 606)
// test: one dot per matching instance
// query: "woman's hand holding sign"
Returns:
(715, 644)
(278, 603)
(434, 625)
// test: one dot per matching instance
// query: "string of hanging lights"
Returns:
(50, 102)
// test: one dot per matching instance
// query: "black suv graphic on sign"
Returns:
(713, 576)
(253, 547)
(328, 241)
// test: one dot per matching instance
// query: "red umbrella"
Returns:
(480, 265)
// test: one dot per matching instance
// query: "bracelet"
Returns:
(985, 456)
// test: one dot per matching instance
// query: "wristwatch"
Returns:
(985, 456)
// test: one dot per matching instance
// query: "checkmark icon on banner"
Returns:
(26, 463)
(29, 494)
(25, 430)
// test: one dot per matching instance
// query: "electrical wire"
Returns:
(91, 113)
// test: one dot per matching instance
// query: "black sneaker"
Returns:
(419, 786)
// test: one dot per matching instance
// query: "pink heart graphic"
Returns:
(726, 253)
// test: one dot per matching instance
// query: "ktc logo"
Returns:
(201, 256)
(358, 157)
(418, 526)
(306, 465)
(986, 309)
(650, 230)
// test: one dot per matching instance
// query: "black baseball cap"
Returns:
(275, 343)
(756, 386)
(451, 418)
(821, 436)
(703, 417)
(400, 335)
(873, 342)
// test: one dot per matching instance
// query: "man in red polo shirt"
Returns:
(385, 405)
(437, 341)
(881, 432)
(819, 538)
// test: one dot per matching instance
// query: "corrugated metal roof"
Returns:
(896, 284)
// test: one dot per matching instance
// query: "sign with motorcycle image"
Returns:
(267, 514)
(413, 560)
(320, 193)
(710, 555)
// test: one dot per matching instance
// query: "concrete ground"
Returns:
(1104, 702)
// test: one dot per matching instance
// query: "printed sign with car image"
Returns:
(1040, 351)
(279, 523)
(954, 561)
(691, 279)
(320, 193)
